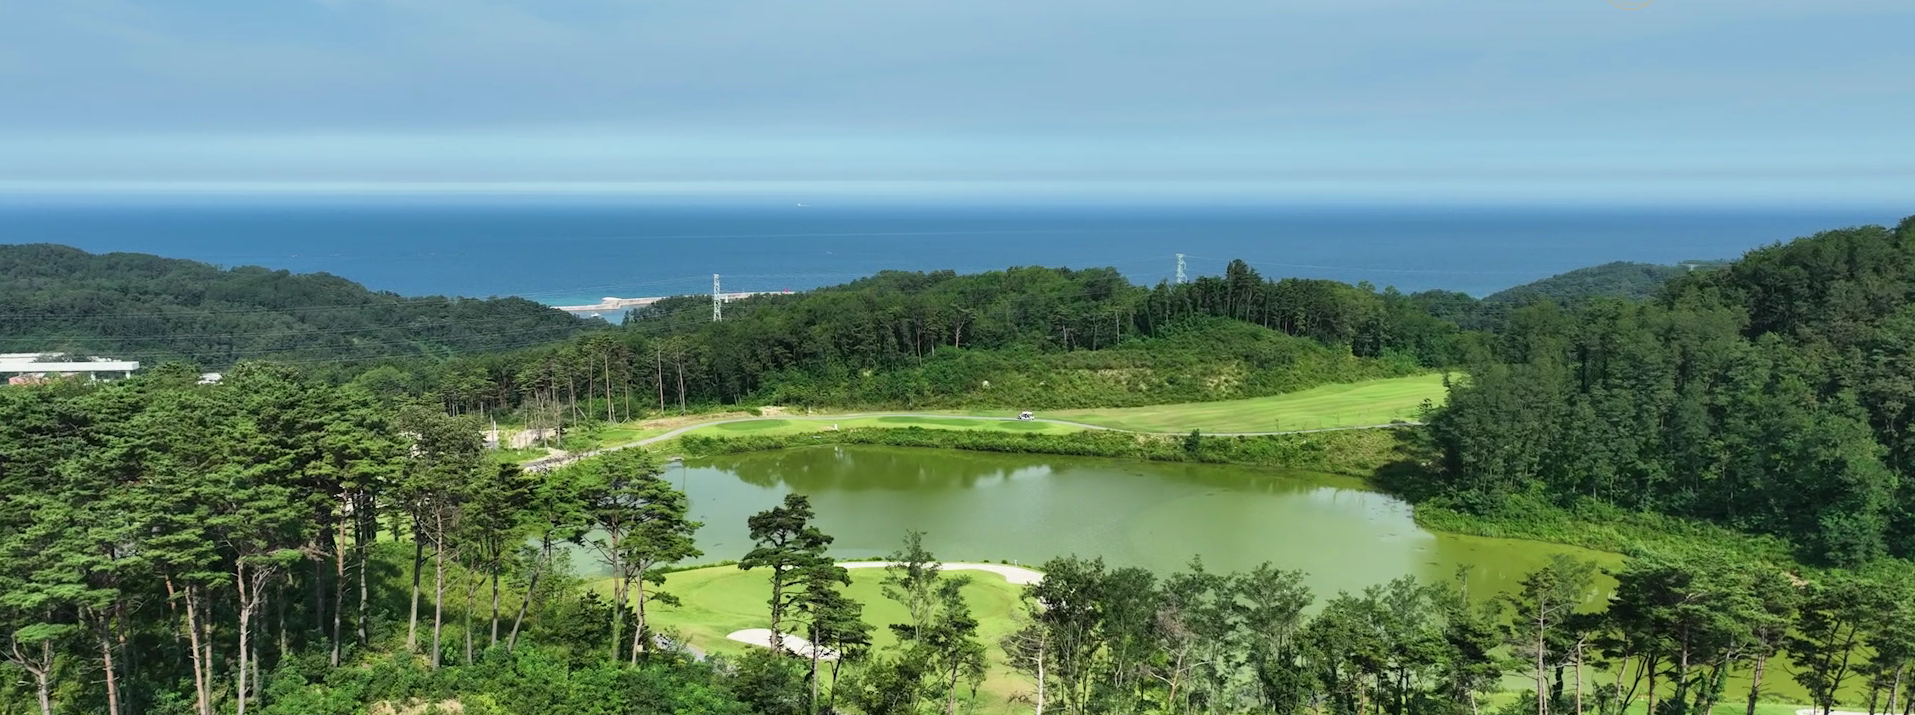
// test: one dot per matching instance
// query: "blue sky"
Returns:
(1804, 101)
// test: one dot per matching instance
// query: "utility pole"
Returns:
(1180, 269)
(717, 301)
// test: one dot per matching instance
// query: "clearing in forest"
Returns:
(1354, 404)
(1370, 402)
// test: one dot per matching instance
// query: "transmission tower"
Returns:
(717, 301)
(1180, 269)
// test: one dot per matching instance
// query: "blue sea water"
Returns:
(569, 252)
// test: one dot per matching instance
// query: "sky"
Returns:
(1800, 101)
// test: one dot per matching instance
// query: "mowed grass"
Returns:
(621, 434)
(1371, 402)
(515, 456)
(723, 600)
(627, 433)
(778, 426)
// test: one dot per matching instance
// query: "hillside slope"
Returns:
(142, 307)
(1620, 279)
(1770, 395)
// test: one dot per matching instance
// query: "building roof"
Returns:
(94, 366)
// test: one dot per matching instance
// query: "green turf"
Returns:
(624, 434)
(617, 435)
(775, 426)
(722, 600)
(764, 425)
(514, 456)
(1344, 405)
(928, 421)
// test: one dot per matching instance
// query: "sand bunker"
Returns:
(798, 646)
(1017, 575)
(761, 637)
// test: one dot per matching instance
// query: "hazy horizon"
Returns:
(1009, 195)
(1750, 102)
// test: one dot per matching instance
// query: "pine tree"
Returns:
(832, 620)
(1546, 600)
(642, 524)
(787, 544)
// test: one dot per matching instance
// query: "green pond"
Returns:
(1030, 508)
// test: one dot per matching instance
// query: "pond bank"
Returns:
(1377, 456)
(1029, 508)
(1348, 452)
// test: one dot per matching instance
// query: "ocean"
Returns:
(572, 252)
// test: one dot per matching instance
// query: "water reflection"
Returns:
(841, 468)
(1030, 508)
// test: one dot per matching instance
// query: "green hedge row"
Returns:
(1350, 452)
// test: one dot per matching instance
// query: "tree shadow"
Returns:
(1411, 475)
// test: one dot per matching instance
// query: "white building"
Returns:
(39, 366)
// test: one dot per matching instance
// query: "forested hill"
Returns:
(1027, 337)
(142, 307)
(1775, 394)
(1620, 279)
(1022, 337)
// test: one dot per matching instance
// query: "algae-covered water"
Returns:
(1030, 508)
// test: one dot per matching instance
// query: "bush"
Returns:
(1594, 525)
(1197, 361)
(1351, 452)
(531, 679)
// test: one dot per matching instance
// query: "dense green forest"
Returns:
(276, 544)
(1024, 337)
(329, 539)
(1765, 394)
(135, 306)
(1773, 395)
(1621, 279)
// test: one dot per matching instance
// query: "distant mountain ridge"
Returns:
(149, 308)
(1619, 279)
(136, 306)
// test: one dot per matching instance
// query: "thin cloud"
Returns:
(604, 90)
